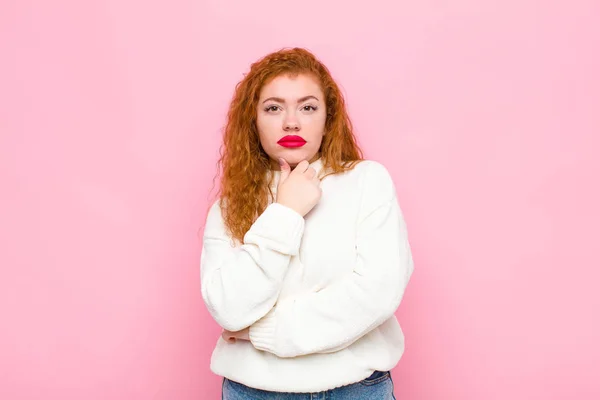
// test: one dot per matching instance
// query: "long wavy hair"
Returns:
(244, 165)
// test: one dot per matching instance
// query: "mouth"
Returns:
(291, 141)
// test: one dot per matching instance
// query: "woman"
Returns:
(305, 254)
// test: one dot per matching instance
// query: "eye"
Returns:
(272, 108)
(309, 108)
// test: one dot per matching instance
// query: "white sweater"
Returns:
(318, 293)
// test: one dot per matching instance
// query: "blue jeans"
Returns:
(378, 386)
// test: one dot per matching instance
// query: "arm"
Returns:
(241, 284)
(351, 307)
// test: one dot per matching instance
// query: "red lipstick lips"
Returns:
(291, 141)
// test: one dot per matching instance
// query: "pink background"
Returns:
(485, 112)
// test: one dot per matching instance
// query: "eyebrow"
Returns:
(280, 100)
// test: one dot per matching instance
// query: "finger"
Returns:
(310, 173)
(285, 170)
(301, 167)
(228, 337)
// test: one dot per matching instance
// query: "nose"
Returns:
(291, 123)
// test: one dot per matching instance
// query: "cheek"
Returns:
(316, 123)
(267, 130)
(323, 121)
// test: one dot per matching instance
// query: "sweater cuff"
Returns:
(281, 226)
(262, 332)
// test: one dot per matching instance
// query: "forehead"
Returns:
(291, 86)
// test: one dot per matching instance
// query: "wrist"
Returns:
(283, 203)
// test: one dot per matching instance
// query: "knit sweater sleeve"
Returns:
(240, 284)
(341, 313)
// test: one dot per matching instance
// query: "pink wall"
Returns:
(486, 113)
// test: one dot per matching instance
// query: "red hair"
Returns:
(243, 165)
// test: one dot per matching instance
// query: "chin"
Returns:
(293, 158)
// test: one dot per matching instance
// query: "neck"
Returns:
(275, 163)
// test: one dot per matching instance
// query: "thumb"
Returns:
(285, 170)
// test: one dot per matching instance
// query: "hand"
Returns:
(231, 337)
(298, 189)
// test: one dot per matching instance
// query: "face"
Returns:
(291, 118)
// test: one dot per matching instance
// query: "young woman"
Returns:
(305, 253)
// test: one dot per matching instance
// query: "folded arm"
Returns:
(241, 284)
(341, 313)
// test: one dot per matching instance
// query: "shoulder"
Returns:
(214, 216)
(215, 208)
(372, 168)
(214, 226)
(375, 177)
